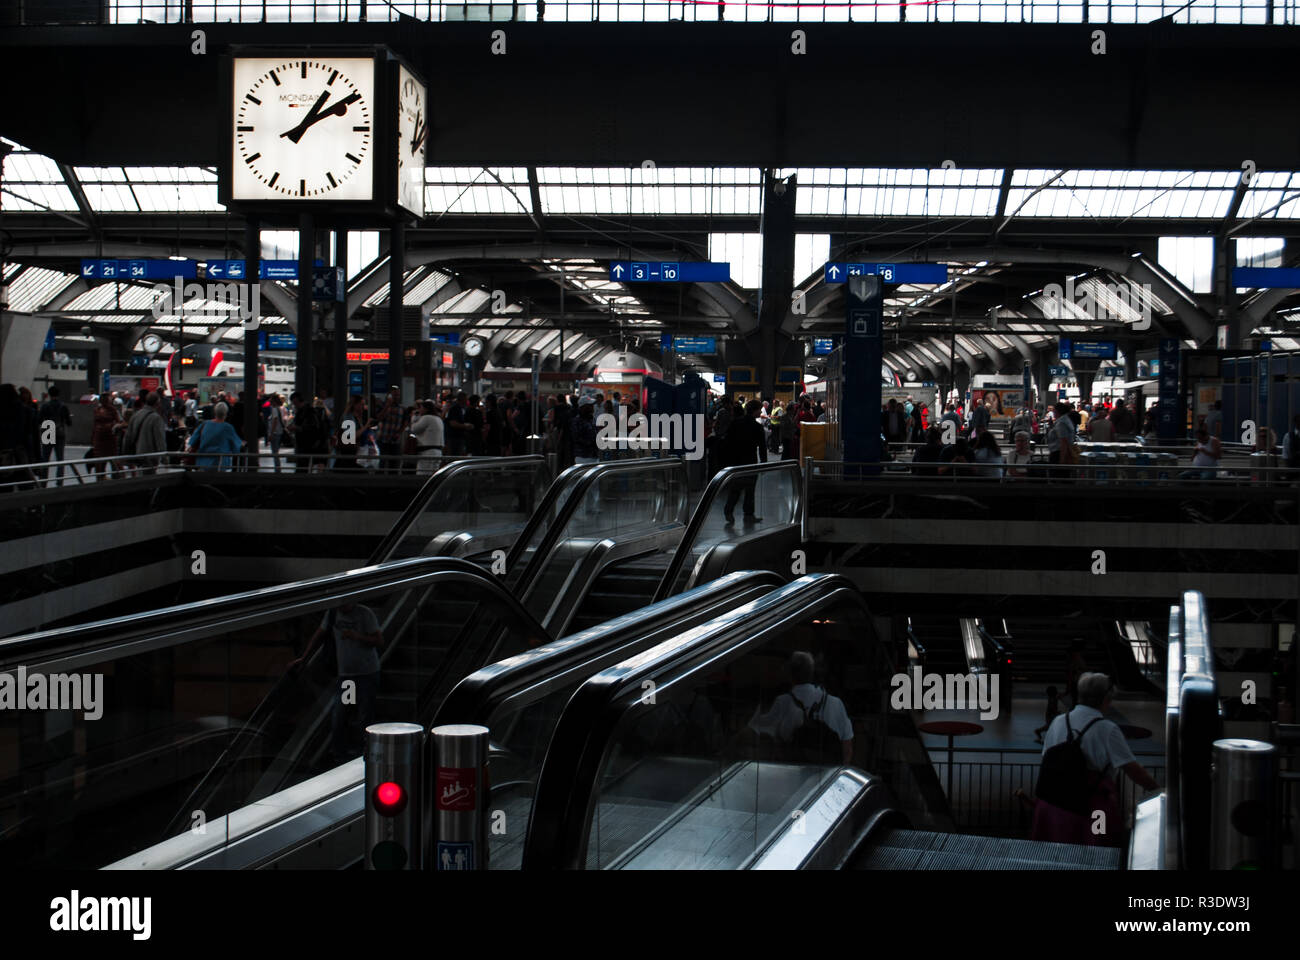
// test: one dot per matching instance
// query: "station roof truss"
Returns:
(543, 237)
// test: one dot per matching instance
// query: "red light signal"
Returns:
(389, 799)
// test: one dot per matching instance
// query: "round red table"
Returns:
(951, 729)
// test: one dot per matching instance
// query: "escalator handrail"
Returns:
(567, 478)
(397, 533)
(477, 697)
(581, 486)
(559, 828)
(702, 509)
(173, 626)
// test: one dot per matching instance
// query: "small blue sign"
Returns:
(356, 383)
(281, 341)
(49, 339)
(454, 856)
(1112, 372)
(1266, 345)
(1058, 371)
(823, 345)
(889, 272)
(669, 271)
(226, 269)
(1264, 277)
(719, 378)
(166, 269)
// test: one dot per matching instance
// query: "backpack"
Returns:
(1064, 779)
(814, 741)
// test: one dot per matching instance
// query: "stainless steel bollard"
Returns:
(460, 797)
(394, 796)
(1242, 807)
(534, 443)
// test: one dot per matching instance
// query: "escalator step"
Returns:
(928, 850)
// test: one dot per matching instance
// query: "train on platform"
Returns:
(198, 365)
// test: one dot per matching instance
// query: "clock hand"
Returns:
(295, 134)
(421, 132)
(316, 115)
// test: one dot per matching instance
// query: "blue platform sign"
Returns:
(445, 337)
(664, 271)
(1112, 372)
(1026, 383)
(719, 378)
(1086, 349)
(166, 269)
(1169, 423)
(49, 339)
(1265, 277)
(1058, 371)
(671, 344)
(823, 345)
(889, 272)
(276, 341)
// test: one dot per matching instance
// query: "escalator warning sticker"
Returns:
(455, 856)
(456, 788)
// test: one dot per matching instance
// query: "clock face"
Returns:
(473, 347)
(151, 343)
(303, 129)
(412, 133)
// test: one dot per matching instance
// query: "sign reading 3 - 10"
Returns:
(304, 129)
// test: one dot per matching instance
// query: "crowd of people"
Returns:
(132, 433)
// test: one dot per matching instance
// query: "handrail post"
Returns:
(804, 511)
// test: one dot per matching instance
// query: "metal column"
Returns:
(458, 840)
(304, 377)
(1243, 811)
(396, 300)
(395, 803)
(340, 364)
(252, 276)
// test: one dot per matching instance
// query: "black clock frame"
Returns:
(383, 207)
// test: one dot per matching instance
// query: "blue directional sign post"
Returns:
(1169, 421)
(888, 272)
(1266, 277)
(823, 345)
(1026, 383)
(663, 271)
(1058, 371)
(863, 352)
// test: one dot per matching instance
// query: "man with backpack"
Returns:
(1077, 798)
(808, 721)
(309, 430)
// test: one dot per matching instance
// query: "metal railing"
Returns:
(1276, 12)
(995, 795)
(55, 473)
(1039, 470)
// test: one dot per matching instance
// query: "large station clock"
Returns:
(412, 134)
(304, 128)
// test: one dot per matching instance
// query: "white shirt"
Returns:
(785, 716)
(428, 430)
(1062, 428)
(1104, 747)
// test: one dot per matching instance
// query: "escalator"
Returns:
(709, 547)
(217, 715)
(518, 699)
(706, 778)
(941, 640)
